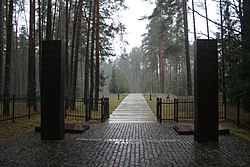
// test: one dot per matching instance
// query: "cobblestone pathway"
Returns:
(125, 144)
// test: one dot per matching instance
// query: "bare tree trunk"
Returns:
(54, 20)
(16, 61)
(32, 52)
(194, 26)
(206, 18)
(97, 66)
(40, 34)
(1, 47)
(58, 29)
(92, 57)
(78, 35)
(72, 53)
(6, 104)
(189, 80)
(222, 54)
(67, 55)
(49, 22)
(162, 65)
(86, 81)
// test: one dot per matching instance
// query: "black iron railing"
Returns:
(13, 108)
(90, 110)
(179, 110)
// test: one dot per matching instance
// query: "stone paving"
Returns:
(133, 109)
(125, 144)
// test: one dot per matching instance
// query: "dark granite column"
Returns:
(206, 90)
(52, 91)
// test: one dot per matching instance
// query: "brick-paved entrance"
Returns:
(125, 144)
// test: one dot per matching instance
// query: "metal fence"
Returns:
(237, 114)
(13, 108)
(90, 110)
(179, 110)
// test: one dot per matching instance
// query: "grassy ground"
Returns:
(236, 130)
(245, 134)
(22, 126)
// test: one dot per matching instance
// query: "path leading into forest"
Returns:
(133, 109)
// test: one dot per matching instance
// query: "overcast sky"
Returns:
(135, 28)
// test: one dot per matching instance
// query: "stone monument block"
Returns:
(52, 90)
(206, 90)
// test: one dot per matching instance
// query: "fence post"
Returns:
(102, 109)
(13, 108)
(107, 107)
(86, 110)
(160, 110)
(176, 110)
(29, 107)
(157, 109)
(225, 109)
(238, 113)
(65, 108)
(150, 97)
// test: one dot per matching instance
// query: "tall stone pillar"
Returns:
(52, 90)
(206, 90)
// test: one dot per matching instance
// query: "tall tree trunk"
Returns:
(189, 78)
(92, 57)
(245, 24)
(86, 81)
(205, 1)
(6, 104)
(49, 22)
(32, 52)
(16, 70)
(72, 53)
(1, 47)
(78, 36)
(54, 20)
(194, 25)
(222, 54)
(67, 55)
(58, 29)
(162, 65)
(246, 53)
(97, 64)
(40, 34)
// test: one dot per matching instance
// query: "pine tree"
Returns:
(6, 104)
(113, 84)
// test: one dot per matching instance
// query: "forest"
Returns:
(163, 63)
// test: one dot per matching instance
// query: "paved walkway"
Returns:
(125, 145)
(133, 109)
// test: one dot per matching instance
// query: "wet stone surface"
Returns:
(147, 144)
(133, 109)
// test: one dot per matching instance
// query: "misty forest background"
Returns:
(162, 64)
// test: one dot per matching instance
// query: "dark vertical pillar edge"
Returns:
(206, 90)
(52, 90)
